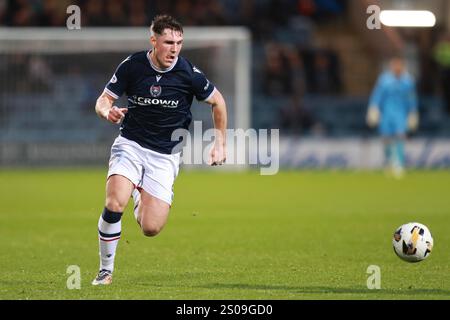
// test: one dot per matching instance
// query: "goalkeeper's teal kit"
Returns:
(395, 98)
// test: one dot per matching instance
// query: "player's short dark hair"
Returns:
(164, 21)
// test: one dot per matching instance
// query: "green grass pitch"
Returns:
(295, 235)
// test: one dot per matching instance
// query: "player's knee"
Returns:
(151, 230)
(115, 205)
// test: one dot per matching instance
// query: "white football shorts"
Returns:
(147, 169)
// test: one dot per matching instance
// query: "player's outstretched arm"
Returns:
(105, 109)
(217, 154)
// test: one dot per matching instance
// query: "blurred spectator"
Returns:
(209, 13)
(306, 7)
(321, 10)
(54, 12)
(238, 12)
(156, 7)
(23, 14)
(39, 74)
(325, 76)
(3, 11)
(138, 16)
(116, 13)
(183, 9)
(15, 64)
(294, 117)
(278, 79)
(280, 11)
(46, 17)
(36, 75)
(93, 13)
(296, 68)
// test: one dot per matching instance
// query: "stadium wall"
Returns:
(294, 153)
(357, 153)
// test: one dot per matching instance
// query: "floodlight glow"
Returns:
(407, 18)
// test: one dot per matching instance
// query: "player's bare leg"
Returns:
(118, 191)
(152, 214)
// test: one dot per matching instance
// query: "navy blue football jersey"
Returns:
(159, 101)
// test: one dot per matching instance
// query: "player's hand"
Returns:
(413, 121)
(217, 154)
(116, 114)
(373, 117)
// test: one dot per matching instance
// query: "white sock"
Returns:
(109, 231)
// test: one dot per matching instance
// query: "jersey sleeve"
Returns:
(119, 81)
(201, 86)
(377, 93)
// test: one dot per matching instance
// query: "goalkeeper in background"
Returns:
(393, 108)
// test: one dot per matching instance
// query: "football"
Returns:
(412, 242)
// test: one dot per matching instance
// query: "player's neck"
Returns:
(155, 65)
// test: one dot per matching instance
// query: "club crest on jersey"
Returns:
(155, 91)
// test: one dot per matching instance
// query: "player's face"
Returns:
(397, 67)
(166, 47)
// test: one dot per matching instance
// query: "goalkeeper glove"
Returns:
(373, 117)
(413, 121)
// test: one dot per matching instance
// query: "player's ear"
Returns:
(153, 41)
